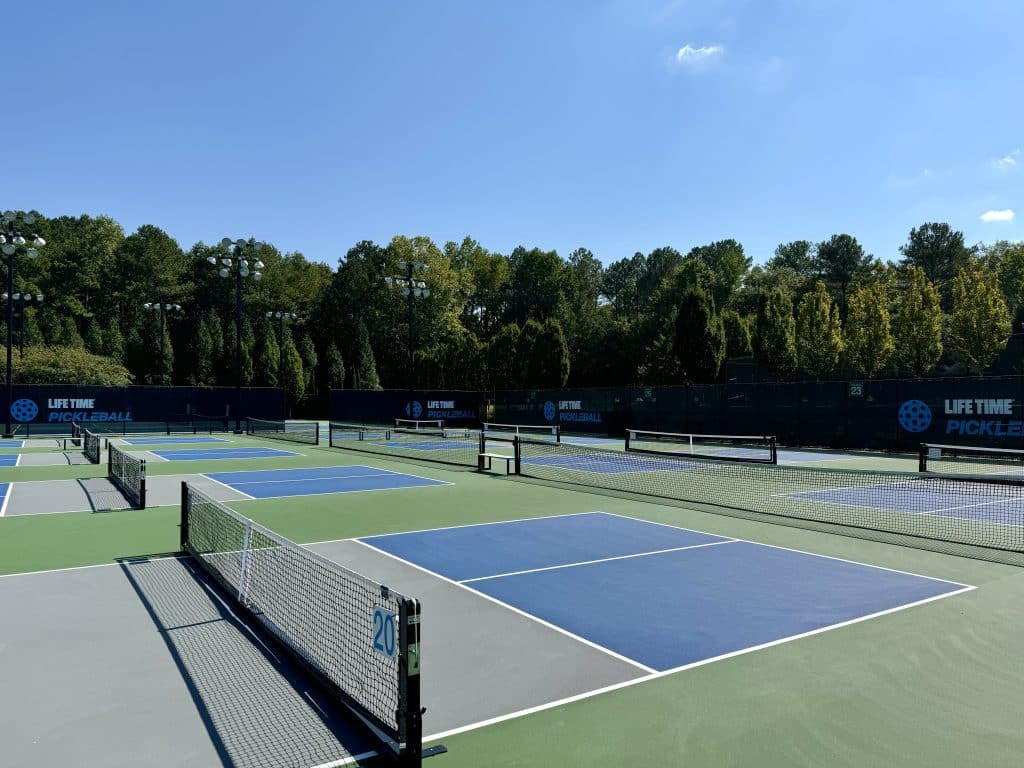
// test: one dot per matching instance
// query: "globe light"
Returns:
(223, 272)
(257, 276)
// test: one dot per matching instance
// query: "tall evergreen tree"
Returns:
(980, 324)
(335, 367)
(700, 337)
(202, 354)
(113, 342)
(307, 351)
(93, 336)
(502, 357)
(918, 327)
(737, 334)
(868, 332)
(267, 357)
(940, 251)
(775, 335)
(819, 337)
(292, 377)
(364, 369)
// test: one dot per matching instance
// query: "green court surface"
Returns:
(940, 684)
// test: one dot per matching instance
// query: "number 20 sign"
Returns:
(385, 632)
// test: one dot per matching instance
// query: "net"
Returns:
(91, 445)
(972, 460)
(983, 511)
(718, 447)
(76, 429)
(418, 424)
(359, 639)
(533, 431)
(306, 432)
(460, 447)
(128, 473)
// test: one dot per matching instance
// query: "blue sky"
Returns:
(621, 125)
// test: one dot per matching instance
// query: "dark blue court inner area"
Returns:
(316, 481)
(207, 454)
(8, 459)
(664, 597)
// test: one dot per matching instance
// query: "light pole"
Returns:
(163, 308)
(412, 288)
(22, 301)
(280, 317)
(236, 264)
(10, 240)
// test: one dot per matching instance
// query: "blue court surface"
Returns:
(660, 596)
(923, 497)
(205, 454)
(5, 490)
(12, 444)
(171, 440)
(316, 481)
(9, 459)
(440, 444)
(581, 440)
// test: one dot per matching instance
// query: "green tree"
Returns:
(33, 335)
(68, 365)
(868, 333)
(1007, 259)
(737, 334)
(796, 256)
(335, 367)
(292, 377)
(503, 368)
(980, 324)
(841, 262)
(307, 351)
(267, 357)
(549, 363)
(727, 264)
(819, 336)
(93, 336)
(917, 330)
(700, 337)
(68, 335)
(940, 251)
(364, 370)
(113, 342)
(775, 335)
(202, 354)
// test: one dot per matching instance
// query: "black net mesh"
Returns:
(960, 459)
(306, 432)
(91, 446)
(325, 614)
(128, 473)
(982, 511)
(459, 447)
(719, 447)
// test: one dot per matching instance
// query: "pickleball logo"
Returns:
(915, 416)
(414, 409)
(549, 411)
(24, 409)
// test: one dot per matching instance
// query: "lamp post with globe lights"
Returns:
(11, 240)
(22, 301)
(239, 262)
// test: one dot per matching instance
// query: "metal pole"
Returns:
(21, 336)
(412, 351)
(163, 379)
(10, 328)
(238, 346)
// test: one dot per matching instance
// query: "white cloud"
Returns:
(1004, 215)
(690, 55)
(1007, 163)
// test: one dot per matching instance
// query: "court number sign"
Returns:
(385, 632)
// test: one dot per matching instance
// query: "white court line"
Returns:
(802, 496)
(314, 479)
(803, 552)
(229, 487)
(432, 484)
(155, 455)
(667, 672)
(7, 496)
(17, 461)
(329, 466)
(85, 567)
(468, 525)
(515, 610)
(594, 562)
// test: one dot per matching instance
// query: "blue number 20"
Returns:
(384, 632)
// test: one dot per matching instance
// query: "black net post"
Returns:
(409, 684)
(773, 445)
(922, 457)
(627, 440)
(516, 443)
(142, 483)
(184, 516)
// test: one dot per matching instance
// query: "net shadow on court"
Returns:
(258, 707)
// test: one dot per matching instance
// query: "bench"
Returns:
(485, 459)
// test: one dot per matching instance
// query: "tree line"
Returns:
(528, 318)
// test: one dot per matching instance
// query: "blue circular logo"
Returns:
(413, 410)
(24, 409)
(915, 416)
(549, 411)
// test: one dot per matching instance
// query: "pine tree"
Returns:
(335, 368)
(775, 336)
(502, 357)
(93, 336)
(549, 356)
(307, 351)
(68, 335)
(267, 357)
(700, 337)
(292, 378)
(33, 334)
(819, 336)
(202, 354)
(980, 324)
(165, 365)
(113, 342)
(868, 332)
(364, 373)
(918, 327)
(737, 334)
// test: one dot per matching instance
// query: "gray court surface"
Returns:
(145, 664)
(98, 494)
(53, 459)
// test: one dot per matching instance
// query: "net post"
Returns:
(558, 433)
(922, 457)
(142, 484)
(773, 446)
(481, 451)
(183, 528)
(317, 433)
(627, 441)
(411, 712)
(518, 451)
(110, 459)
